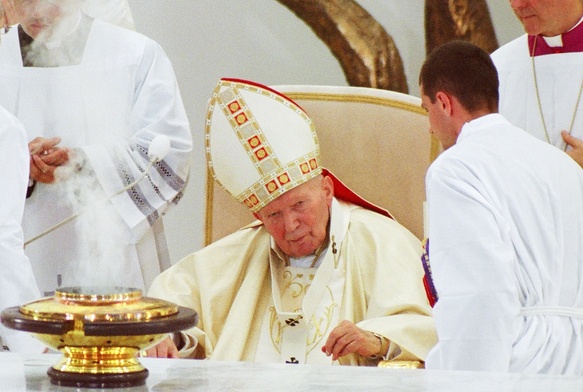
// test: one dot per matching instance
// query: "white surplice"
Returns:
(110, 106)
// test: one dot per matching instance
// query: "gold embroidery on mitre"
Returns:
(275, 179)
(254, 142)
(271, 187)
(247, 130)
(261, 154)
(251, 201)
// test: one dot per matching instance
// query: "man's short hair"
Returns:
(464, 70)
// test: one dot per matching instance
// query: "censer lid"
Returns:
(99, 311)
(88, 295)
(98, 304)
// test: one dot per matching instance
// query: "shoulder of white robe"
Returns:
(117, 12)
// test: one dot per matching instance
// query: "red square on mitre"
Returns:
(234, 107)
(305, 168)
(254, 142)
(261, 154)
(313, 163)
(283, 178)
(271, 186)
(251, 201)
(241, 118)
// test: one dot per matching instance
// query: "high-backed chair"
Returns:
(376, 141)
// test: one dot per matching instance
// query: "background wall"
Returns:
(263, 41)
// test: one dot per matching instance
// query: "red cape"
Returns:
(343, 192)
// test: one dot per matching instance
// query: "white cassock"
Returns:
(559, 78)
(110, 106)
(505, 229)
(16, 278)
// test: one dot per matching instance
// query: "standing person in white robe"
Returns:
(321, 278)
(505, 229)
(92, 96)
(541, 73)
(16, 276)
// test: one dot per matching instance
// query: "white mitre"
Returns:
(259, 143)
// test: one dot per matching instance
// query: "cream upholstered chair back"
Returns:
(375, 141)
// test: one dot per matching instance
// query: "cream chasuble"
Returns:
(304, 309)
(370, 275)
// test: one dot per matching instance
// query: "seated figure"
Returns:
(322, 276)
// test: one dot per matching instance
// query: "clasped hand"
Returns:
(45, 158)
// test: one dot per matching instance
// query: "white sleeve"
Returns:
(157, 110)
(17, 282)
(189, 347)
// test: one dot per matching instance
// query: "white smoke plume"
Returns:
(101, 233)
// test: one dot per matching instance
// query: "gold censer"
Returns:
(100, 331)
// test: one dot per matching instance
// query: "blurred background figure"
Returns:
(92, 96)
(505, 229)
(541, 73)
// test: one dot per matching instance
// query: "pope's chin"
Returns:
(300, 248)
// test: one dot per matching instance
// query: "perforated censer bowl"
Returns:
(100, 331)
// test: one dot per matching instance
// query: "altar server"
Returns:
(505, 229)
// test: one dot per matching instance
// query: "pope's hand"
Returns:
(576, 150)
(347, 338)
(165, 349)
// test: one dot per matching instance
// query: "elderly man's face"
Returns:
(298, 219)
(547, 17)
(39, 18)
